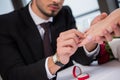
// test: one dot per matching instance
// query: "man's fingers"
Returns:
(71, 34)
(72, 31)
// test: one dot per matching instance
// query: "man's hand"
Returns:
(67, 44)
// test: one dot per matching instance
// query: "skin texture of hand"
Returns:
(67, 44)
(94, 21)
(103, 28)
(92, 45)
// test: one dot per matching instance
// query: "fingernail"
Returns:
(89, 38)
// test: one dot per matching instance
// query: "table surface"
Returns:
(107, 71)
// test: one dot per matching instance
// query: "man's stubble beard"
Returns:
(52, 14)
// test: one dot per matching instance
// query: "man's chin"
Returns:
(52, 14)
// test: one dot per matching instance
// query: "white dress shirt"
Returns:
(38, 21)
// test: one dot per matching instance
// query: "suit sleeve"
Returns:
(12, 63)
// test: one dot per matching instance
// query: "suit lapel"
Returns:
(31, 35)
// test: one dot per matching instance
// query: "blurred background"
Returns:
(83, 10)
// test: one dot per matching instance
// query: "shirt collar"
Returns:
(38, 20)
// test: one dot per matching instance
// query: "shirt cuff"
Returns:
(49, 75)
(95, 52)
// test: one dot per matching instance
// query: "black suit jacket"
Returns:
(21, 47)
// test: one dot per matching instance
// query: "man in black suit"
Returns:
(21, 42)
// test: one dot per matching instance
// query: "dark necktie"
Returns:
(46, 39)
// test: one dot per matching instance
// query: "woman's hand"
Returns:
(104, 29)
